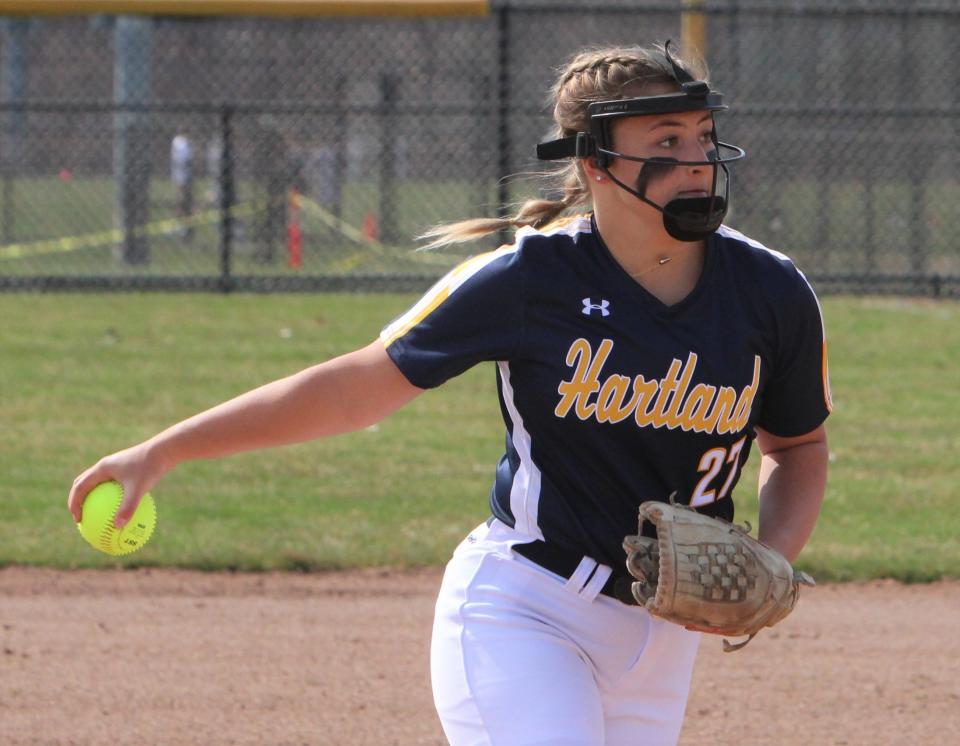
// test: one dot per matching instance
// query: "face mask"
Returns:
(685, 218)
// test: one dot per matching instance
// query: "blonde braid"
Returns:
(592, 75)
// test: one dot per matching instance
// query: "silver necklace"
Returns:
(660, 262)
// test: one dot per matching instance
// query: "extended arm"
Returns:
(793, 478)
(344, 394)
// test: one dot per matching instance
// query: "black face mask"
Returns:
(684, 218)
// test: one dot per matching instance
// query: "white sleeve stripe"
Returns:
(459, 275)
(440, 292)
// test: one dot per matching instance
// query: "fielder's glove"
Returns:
(709, 574)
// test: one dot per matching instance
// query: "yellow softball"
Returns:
(99, 510)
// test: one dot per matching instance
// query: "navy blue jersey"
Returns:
(610, 397)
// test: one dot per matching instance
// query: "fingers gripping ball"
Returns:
(99, 510)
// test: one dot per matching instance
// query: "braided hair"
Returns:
(601, 74)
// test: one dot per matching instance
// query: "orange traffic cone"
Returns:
(294, 231)
(371, 227)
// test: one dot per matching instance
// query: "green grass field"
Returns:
(83, 375)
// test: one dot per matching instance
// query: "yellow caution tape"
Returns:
(115, 235)
(337, 224)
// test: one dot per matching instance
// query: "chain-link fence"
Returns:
(266, 154)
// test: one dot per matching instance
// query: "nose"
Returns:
(703, 157)
(697, 153)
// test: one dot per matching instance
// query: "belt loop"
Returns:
(580, 576)
(593, 588)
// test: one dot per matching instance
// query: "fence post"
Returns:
(503, 116)
(7, 214)
(733, 34)
(917, 162)
(487, 119)
(16, 60)
(132, 131)
(388, 158)
(869, 218)
(227, 198)
(916, 223)
(340, 128)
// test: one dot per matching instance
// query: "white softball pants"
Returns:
(521, 656)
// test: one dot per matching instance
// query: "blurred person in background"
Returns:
(182, 176)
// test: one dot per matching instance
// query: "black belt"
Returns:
(564, 562)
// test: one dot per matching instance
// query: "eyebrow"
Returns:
(673, 123)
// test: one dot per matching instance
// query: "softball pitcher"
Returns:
(640, 351)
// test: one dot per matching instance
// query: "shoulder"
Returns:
(769, 271)
(532, 252)
(554, 253)
(768, 282)
(560, 235)
(529, 244)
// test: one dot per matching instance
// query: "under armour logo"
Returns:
(603, 307)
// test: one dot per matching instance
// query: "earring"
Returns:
(599, 178)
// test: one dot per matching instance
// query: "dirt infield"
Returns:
(171, 657)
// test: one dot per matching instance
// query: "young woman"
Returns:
(640, 351)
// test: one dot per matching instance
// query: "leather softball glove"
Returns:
(708, 574)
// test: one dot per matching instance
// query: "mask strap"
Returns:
(681, 75)
(639, 195)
